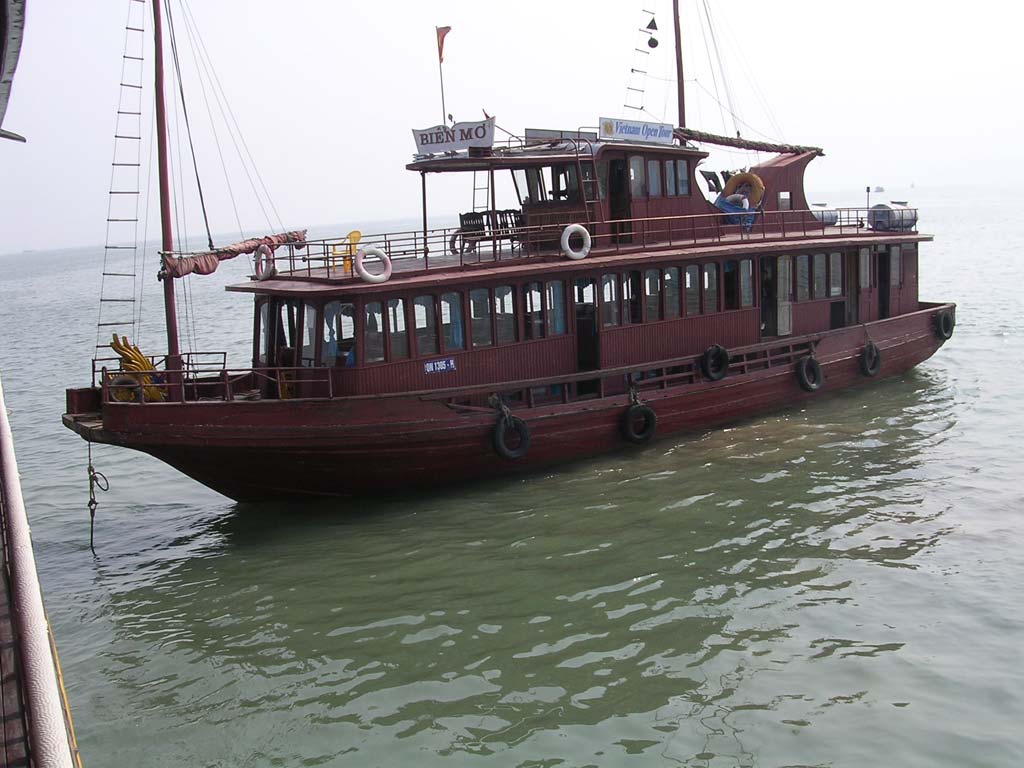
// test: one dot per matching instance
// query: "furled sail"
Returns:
(728, 141)
(206, 263)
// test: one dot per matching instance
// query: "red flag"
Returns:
(441, 32)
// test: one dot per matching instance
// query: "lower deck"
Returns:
(253, 449)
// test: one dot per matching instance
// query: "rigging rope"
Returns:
(223, 102)
(213, 125)
(721, 68)
(188, 127)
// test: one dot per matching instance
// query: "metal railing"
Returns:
(451, 247)
(318, 383)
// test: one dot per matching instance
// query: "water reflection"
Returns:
(691, 601)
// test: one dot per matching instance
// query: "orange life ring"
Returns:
(756, 187)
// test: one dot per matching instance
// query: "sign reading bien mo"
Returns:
(444, 138)
(634, 130)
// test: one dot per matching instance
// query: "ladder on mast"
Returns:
(120, 285)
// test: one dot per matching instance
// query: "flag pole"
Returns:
(444, 112)
(441, 32)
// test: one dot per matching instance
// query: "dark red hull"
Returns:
(259, 450)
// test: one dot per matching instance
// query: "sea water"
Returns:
(831, 584)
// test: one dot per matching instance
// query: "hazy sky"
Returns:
(327, 94)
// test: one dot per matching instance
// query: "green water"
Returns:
(829, 586)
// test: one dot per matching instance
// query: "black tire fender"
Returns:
(870, 359)
(808, 373)
(944, 324)
(714, 363)
(502, 428)
(632, 417)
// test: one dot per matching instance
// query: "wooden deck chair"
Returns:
(346, 249)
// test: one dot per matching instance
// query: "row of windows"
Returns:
(819, 276)
(397, 329)
(676, 179)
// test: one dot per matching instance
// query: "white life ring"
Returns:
(369, 277)
(265, 268)
(575, 229)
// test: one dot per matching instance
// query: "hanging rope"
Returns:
(188, 127)
(96, 480)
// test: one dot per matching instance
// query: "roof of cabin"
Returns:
(549, 153)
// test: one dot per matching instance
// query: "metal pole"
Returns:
(167, 240)
(679, 64)
(426, 246)
(444, 112)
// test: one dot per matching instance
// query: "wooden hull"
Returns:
(252, 451)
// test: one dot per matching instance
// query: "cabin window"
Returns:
(784, 319)
(602, 179)
(398, 334)
(710, 288)
(636, 176)
(554, 307)
(693, 290)
(746, 283)
(309, 335)
(670, 287)
(785, 201)
(864, 271)
(670, 177)
(631, 294)
(339, 333)
(819, 275)
(803, 277)
(653, 178)
(373, 332)
(609, 300)
(425, 317)
(261, 352)
(895, 266)
(534, 316)
(536, 186)
(682, 177)
(731, 285)
(584, 287)
(505, 314)
(282, 333)
(564, 184)
(835, 274)
(652, 294)
(451, 321)
(480, 317)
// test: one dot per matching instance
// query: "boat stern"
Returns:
(83, 413)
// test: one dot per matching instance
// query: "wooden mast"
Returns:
(167, 239)
(679, 64)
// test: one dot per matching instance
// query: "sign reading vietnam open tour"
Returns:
(634, 130)
(444, 138)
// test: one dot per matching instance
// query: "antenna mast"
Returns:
(679, 64)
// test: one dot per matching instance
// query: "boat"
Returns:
(612, 305)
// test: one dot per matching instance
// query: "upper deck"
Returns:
(447, 254)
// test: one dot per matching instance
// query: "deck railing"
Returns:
(451, 247)
(318, 383)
